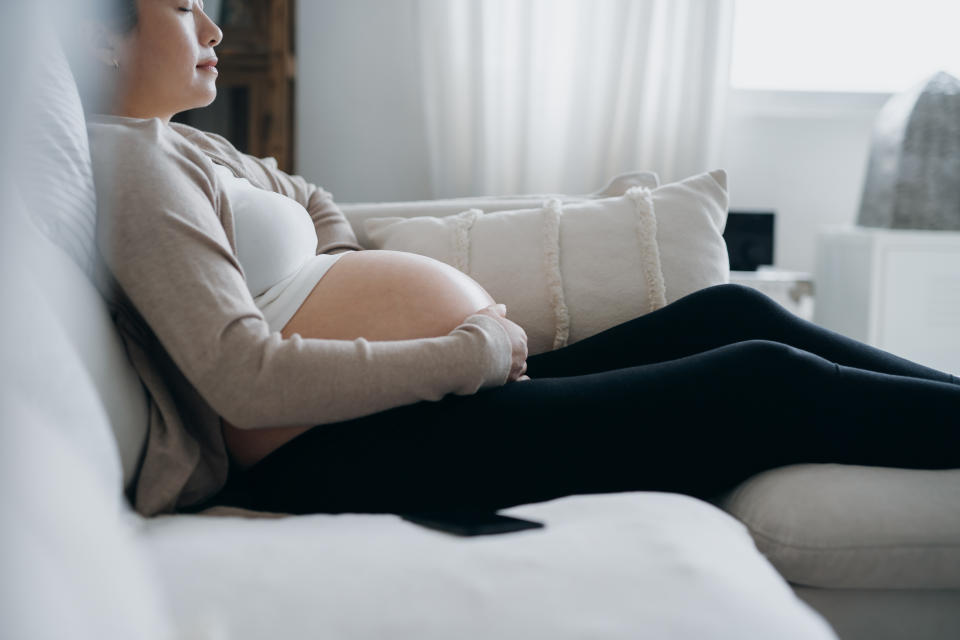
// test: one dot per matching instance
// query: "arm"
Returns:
(159, 232)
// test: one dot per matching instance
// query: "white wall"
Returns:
(802, 155)
(360, 129)
(361, 133)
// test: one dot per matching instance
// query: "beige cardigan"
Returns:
(202, 348)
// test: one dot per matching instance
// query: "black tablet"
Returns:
(470, 523)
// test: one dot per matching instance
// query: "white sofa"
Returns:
(874, 551)
(621, 565)
(80, 563)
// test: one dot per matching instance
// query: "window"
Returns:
(843, 45)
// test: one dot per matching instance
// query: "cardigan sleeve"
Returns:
(160, 234)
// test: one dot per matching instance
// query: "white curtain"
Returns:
(537, 96)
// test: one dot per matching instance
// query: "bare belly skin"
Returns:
(378, 295)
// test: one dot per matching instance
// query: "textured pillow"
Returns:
(42, 365)
(80, 309)
(57, 172)
(74, 566)
(358, 212)
(569, 271)
(56, 185)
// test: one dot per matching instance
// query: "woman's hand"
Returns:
(518, 339)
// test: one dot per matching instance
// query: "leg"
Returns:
(697, 425)
(710, 318)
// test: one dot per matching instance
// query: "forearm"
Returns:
(310, 381)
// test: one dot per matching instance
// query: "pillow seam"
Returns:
(463, 238)
(649, 249)
(552, 211)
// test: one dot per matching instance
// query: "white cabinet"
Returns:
(895, 289)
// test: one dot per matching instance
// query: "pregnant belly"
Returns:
(387, 295)
(377, 295)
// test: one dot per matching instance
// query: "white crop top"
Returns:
(276, 247)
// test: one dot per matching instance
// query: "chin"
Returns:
(205, 100)
(202, 95)
(211, 96)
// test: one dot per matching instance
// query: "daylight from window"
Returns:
(843, 45)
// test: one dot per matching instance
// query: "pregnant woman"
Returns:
(290, 370)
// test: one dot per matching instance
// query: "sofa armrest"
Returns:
(357, 212)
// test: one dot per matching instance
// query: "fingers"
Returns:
(520, 374)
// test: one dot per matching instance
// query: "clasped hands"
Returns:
(518, 340)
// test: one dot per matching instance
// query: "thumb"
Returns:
(502, 308)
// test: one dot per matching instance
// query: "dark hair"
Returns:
(121, 15)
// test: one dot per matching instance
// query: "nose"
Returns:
(211, 34)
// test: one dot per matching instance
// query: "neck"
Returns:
(128, 111)
(125, 104)
(109, 104)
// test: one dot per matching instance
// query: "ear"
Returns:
(100, 41)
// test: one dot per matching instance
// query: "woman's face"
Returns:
(167, 60)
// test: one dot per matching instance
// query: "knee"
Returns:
(745, 301)
(742, 294)
(769, 360)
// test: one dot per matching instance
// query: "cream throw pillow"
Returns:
(569, 271)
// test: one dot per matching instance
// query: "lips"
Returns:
(209, 65)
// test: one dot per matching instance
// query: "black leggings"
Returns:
(692, 398)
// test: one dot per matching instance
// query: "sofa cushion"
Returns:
(614, 565)
(357, 212)
(851, 526)
(71, 557)
(74, 566)
(887, 614)
(567, 271)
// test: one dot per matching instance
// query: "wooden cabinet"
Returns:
(254, 108)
